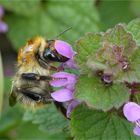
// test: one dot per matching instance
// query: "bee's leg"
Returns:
(36, 96)
(46, 65)
(30, 94)
(35, 77)
(61, 108)
(48, 100)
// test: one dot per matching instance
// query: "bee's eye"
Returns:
(52, 55)
(49, 55)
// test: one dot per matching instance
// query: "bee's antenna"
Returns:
(63, 32)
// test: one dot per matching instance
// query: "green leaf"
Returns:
(95, 65)
(30, 131)
(132, 74)
(100, 96)
(133, 27)
(86, 47)
(117, 36)
(26, 7)
(75, 12)
(97, 49)
(103, 52)
(88, 124)
(48, 118)
(48, 24)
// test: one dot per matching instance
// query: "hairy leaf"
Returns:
(132, 74)
(86, 47)
(88, 124)
(100, 96)
(133, 27)
(116, 43)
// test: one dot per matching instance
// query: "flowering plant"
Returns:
(111, 79)
(99, 86)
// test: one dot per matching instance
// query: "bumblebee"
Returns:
(30, 84)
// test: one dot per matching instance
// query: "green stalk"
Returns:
(1, 83)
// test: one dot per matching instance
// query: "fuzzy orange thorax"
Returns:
(27, 53)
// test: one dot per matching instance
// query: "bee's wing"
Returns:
(12, 98)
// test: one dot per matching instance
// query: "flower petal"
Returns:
(64, 49)
(71, 106)
(131, 111)
(70, 64)
(71, 87)
(136, 131)
(3, 27)
(62, 95)
(58, 83)
(63, 79)
(1, 11)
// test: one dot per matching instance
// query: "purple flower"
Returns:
(3, 26)
(64, 49)
(72, 104)
(70, 64)
(65, 80)
(62, 95)
(131, 111)
(107, 78)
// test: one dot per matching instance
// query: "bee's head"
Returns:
(56, 51)
(52, 54)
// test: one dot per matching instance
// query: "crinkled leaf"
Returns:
(133, 73)
(86, 47)
(88, 124)
(26, 7)
(133, 27)
(106, 52)
(117, 36)
(49, 24)
(95, 65)
(99, 96)
(48, 118)
(98, 48)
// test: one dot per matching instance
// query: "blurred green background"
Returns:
(47, 18)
